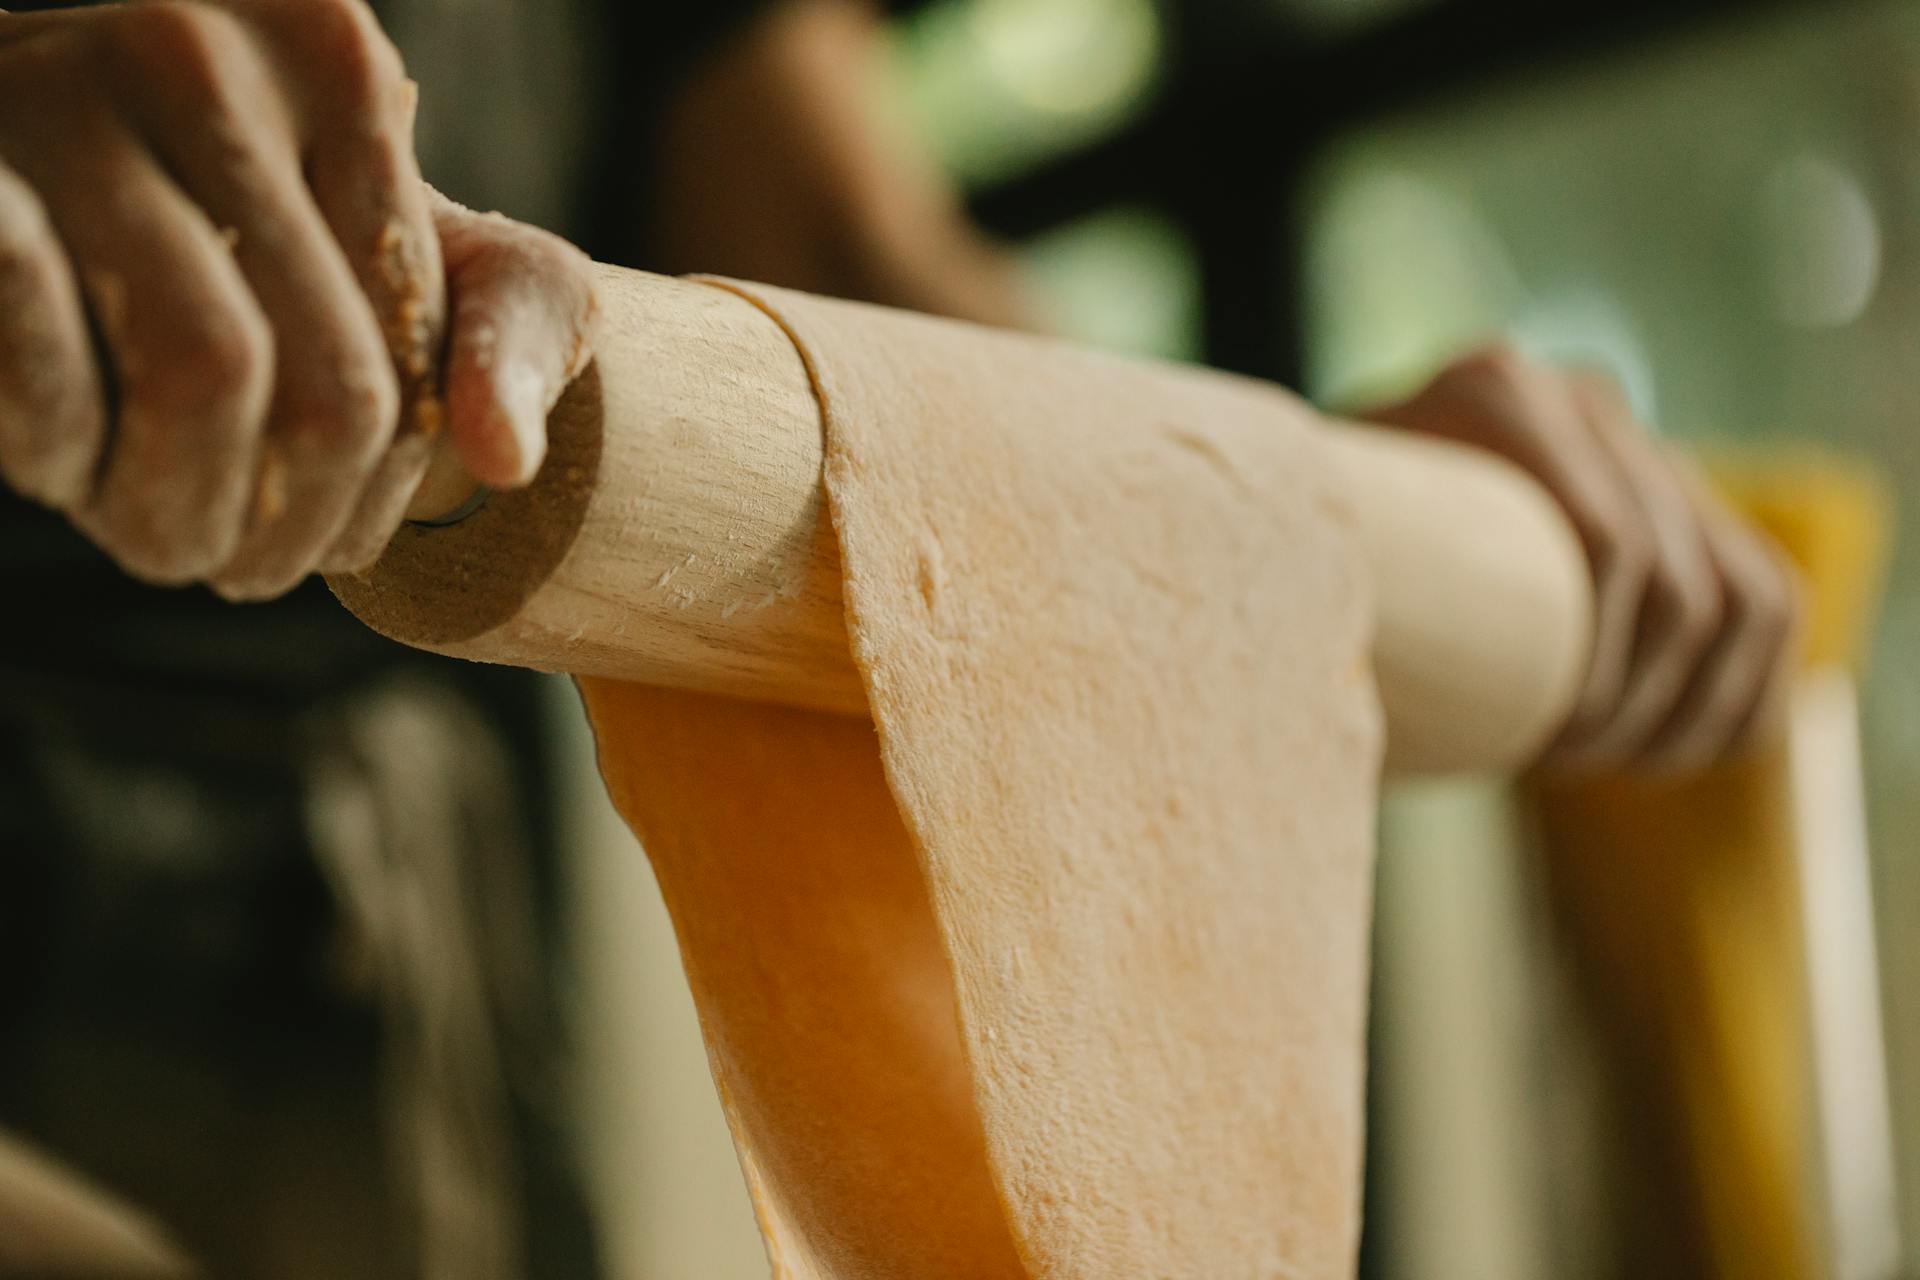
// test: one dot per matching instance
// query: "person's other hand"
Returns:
(1694, 610)
(819, 187)
(223, 306)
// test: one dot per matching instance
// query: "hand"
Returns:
(818, 188)
(522, 321)
(227, 194)
(1694, 610)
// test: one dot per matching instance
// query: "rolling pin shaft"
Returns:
(678, 534)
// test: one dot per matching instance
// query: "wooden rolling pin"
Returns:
(678, 534)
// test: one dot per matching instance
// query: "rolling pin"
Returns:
(678, 534)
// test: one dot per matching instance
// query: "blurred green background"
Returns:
(1724, 214)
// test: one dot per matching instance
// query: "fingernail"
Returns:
(522, 394)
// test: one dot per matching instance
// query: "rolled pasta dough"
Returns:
(1058, 966)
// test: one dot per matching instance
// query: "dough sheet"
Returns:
(1057, 967)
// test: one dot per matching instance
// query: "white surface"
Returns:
(1850, 1060)
(662, 1175)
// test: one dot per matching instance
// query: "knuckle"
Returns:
(252, 590)
(1773, 609)
(1793, 600)
(49, 401)
(1625, 556)
(1600, 392)
(194, 45)
(528, 262)
(51, 426)
(1694, 603)
(374, 403)
(53, 470)
(158, 540)
(1699, 621)
(369, 415)
(356, 550)
(1496, 364)
(363, 68)
(224, 364)
(167, 559)
(150, 557)
(1765, 591)
(235, 360)
(235, 590)
(347, 429)
(28, 248)
(360, 546)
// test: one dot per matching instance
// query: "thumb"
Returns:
(522, 312)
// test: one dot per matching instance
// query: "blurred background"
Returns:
(1716, 201)
(1618, 1032)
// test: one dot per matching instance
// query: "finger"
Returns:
(524, 313)
(52, 414)
(1620, 557)
(1680, 606)
(191, 353)
(1497, 400)
(356, 116)
(1743, 676)
(215, 119)
(523, 319)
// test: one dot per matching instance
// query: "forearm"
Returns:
(779, 163)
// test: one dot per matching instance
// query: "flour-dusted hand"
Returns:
(1694, 609)
(523, 314)
(223, 303)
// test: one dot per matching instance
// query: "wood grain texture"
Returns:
(678, 535)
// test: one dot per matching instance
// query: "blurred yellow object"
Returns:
(1832, 517)
(1722, 926)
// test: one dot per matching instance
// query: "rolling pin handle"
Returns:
(447, 494)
